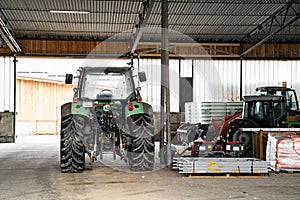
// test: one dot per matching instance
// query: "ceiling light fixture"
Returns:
(69, 12)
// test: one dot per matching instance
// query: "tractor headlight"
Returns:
(202, 148)
(228, 147)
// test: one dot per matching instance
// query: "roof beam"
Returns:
(143, 18)
(4, 18)
(280, 20)
(8, 38)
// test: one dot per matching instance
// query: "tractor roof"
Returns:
(272, 88)
(107, 70)
(263, 98)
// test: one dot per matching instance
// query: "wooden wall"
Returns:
(275, 51)
(38, 105)
(152, 49)
(72, 47)
(4, 49)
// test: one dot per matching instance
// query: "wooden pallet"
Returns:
(227, 175)
(289, 171)
(285, 170)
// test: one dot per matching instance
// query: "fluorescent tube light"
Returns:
(69, 12)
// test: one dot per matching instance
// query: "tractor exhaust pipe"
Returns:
(283, 84)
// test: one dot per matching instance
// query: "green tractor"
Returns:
(289, 95)
(107, 116)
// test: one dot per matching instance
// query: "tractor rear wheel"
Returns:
(141, 151)
(235, 134)
(72, 151)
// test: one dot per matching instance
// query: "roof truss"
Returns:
(275, 23)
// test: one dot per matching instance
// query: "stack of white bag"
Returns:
(283, 151)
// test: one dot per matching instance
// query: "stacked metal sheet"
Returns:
(204, 112)
(227, 165)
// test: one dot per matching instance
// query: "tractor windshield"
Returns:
(291, 100)
(267, 113)
(98, 84)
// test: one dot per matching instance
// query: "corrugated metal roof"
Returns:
(203, 20)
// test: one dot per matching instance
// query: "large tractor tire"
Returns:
(72, 151)
(141, 151)
(236, 135)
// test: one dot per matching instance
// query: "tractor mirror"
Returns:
(69, 79)
(142, 76)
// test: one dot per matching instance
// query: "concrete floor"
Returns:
(29, 169)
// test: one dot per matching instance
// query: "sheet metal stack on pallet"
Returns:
(204, 112)
(217, 165)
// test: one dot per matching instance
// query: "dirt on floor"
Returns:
(29, 169)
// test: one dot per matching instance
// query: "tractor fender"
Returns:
(139, 108)
(234, 134)
(72, 108)
(236, 120)
(66, 109)
(78, 109)
(239, 123)
(147, 108)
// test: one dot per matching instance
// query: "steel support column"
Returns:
(165, 92)
(15, 96)
(241, 71)
(241, 78)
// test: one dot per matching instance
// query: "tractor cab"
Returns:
(265, 111)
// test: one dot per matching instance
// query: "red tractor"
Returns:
(209, 140)
(268, 109)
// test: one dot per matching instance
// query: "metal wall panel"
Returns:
(216, 80)
(174, 85)
(151, 88)
(219, 80)
(186, 69)
(270, 72)
(6, 84)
